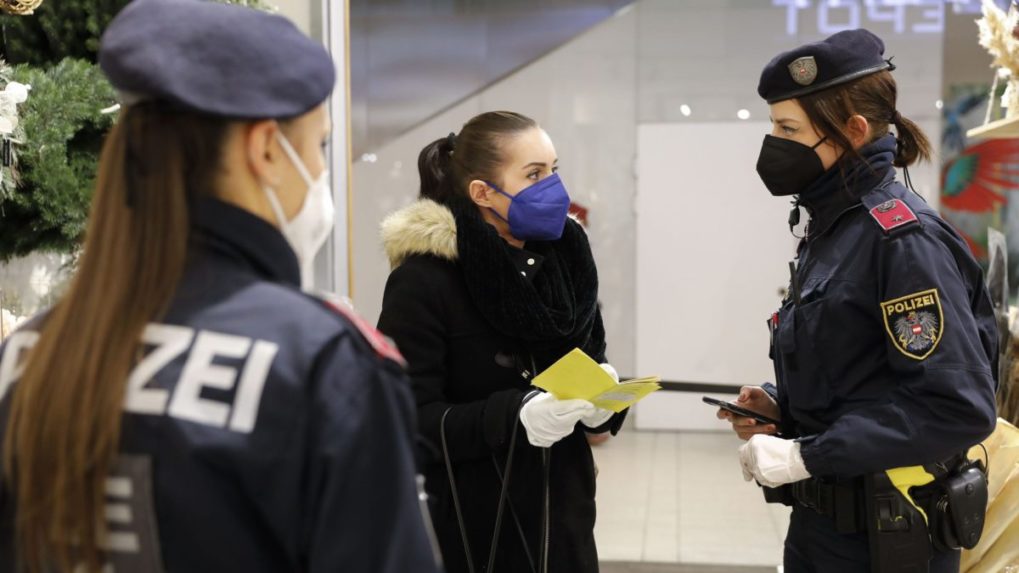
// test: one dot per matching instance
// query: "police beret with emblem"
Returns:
(841, 58)
(220, 59)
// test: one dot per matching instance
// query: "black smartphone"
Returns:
(730, 407)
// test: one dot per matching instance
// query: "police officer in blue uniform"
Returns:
(186, 406)
(885, 348)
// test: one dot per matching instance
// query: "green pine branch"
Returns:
(58, 161)
(60, 29)
(45, 196)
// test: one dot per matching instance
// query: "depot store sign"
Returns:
(826, 17)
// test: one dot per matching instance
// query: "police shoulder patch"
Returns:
(379, 342)
(915, 323)
(893, 214)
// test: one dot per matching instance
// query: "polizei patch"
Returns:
(915, 323)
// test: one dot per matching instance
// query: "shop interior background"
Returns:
(653, 109)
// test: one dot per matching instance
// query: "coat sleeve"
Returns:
(931, 310)
(361, 501)
(413, 315)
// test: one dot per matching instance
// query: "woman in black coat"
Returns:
(492, 283)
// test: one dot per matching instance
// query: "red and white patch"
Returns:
(379, 342)
(893, 214)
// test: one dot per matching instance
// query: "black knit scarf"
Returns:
(552, 315)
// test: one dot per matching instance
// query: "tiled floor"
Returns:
(679, 497)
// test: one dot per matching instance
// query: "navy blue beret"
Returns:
(220, 59)
(840, 58)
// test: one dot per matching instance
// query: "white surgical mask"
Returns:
(309, 229)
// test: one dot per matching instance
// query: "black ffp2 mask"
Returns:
(788, 167)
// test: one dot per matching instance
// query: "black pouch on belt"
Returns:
(956, 506)
(781, 494)
(897, 530)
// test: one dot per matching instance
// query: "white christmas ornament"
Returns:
(17, 92)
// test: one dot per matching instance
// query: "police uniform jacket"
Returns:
(263, 431)
(466, 370)
(885, 350)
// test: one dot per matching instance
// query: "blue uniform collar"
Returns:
(841, 188)
(232, 232)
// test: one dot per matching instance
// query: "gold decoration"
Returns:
(998, 551)
(19, 7)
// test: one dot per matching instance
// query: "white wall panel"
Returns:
(713, 249)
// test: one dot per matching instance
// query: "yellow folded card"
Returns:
(578, 376)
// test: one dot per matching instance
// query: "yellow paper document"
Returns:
(578, 376)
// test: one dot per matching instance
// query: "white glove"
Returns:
(548, 420)
(600, 415)
(772, 461)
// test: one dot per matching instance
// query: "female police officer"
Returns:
(185, 407)
(885, 348)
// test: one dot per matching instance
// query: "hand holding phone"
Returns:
(739, 411)
(753, 412)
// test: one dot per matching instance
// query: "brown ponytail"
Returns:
(913, 144)
(447, 165)
(65, 417)
(874, 97)
(435, 169)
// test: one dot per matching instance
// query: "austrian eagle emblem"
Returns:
(803, 70)
(915, 323)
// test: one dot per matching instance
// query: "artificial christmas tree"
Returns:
(46, 186)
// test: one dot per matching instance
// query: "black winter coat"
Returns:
(464, 370)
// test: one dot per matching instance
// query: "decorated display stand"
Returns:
(999, 35)
(999, 547)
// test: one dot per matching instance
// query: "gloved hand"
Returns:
(772, 461)
(600, 415)
(548, 420)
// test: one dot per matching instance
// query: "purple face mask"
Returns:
(538, 213)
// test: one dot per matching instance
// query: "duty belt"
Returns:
(842, 501)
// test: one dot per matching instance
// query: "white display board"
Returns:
(713, 249)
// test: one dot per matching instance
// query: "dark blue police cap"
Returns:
(220, 59)
(840, 58)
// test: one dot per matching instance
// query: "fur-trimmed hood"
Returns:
(423, 228)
